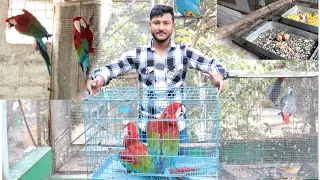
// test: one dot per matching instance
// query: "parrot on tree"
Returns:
(83, 37)
(287, 106)
(163, 137)
(275, 89)
(135, 157)
(28, 25)
(188, 7)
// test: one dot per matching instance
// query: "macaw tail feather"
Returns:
(85, 65)
(43, 51)
(172, 173)
(286, 118)
(160, 165)
(183, 169)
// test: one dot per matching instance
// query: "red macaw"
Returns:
(163, 137)
(135, 157)
(28, 25)
(83, 43)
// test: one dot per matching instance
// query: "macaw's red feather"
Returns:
(29, 25)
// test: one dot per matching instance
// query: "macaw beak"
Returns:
(77, 25)
(181, 110)
(83, 24)
(9, 25)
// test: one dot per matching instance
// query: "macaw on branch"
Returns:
(287, 106)
(188, 7)
(28, 25)
(275, 90)
(83, 37)
(163, 137)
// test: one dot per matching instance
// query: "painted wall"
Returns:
(36, 165)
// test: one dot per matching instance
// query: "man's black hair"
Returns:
(160, 10)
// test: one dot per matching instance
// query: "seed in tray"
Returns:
(295, 47)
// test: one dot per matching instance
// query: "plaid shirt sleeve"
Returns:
(116, 68)
(205, 64)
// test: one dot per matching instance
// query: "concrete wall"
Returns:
(23, 73)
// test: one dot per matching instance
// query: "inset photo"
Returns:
(271, 29)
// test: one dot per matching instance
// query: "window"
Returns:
(43, 11)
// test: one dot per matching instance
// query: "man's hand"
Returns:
(217, 81)
(95, 85)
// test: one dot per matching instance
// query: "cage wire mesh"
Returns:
(68, 77)
(106, 114)
(255, 141)
(24, 116)
(68, 135)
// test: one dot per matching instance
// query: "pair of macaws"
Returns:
(163, 145)
(188, 7)
(29, 25)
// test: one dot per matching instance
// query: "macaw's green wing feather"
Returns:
(83, 55)
(154, 146)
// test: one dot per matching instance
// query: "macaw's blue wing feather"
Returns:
(180, 6)
(43, 51)
(196, 2)
(190, 7)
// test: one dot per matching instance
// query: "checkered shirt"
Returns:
(165, 73)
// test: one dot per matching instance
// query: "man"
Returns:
(161, 64)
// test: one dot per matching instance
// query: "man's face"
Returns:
(161, 27)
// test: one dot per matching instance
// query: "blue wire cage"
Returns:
(107, 113)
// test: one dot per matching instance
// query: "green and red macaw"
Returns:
(83, 37)
(28, 25)
(135, 157)
(188, 7)
(163, 137)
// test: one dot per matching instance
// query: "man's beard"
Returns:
(160, 40)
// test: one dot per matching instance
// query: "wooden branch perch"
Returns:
(243, 23)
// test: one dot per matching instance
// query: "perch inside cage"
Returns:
(133, 132)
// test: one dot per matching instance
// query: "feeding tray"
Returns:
(296, 16)
(301, 45)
